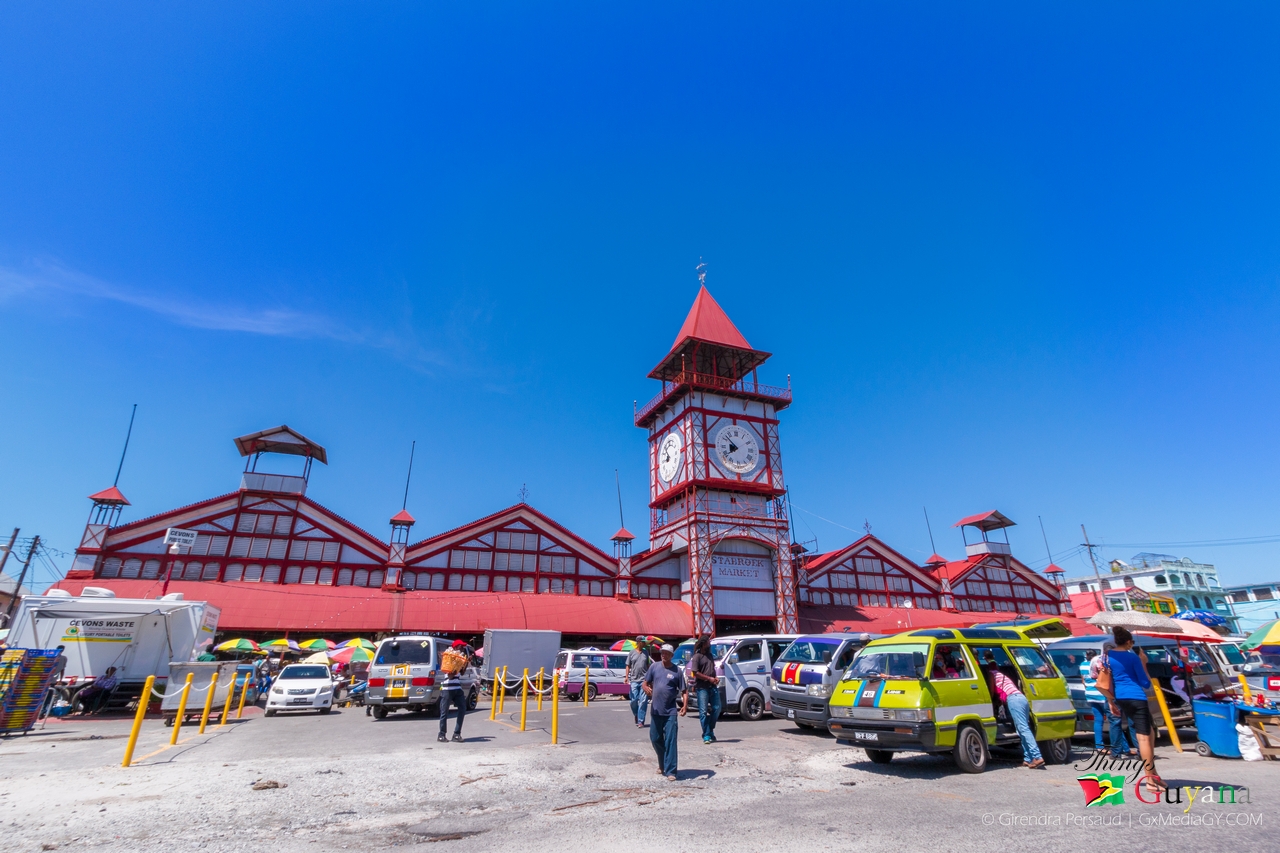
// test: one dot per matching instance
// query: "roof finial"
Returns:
(524, 493)
(702, 271)
(866, 525)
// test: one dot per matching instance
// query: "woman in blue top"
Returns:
(1128, 697)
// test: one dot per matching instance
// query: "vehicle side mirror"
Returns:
(733, 658)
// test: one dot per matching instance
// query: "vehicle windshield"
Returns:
(1232, 653)
(719, 650)
(684, 651)
(809, 651)
(404, 651)
(301, 671)
(1068, 662)
(906, 660)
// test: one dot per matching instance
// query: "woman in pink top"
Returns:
(1019, 711)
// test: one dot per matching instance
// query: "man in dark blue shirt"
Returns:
(664, 684)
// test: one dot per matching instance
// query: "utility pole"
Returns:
(17, 589)
(1097, 593)
(8, 549)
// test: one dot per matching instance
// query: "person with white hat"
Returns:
(664, 684)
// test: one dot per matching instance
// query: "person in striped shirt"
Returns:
(1089, 668)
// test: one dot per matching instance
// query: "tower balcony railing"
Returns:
(781, 397)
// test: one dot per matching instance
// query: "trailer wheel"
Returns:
(270, 713)
(168, 721)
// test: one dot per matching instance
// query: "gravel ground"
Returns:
(347, 781)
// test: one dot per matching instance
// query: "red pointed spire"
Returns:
(935, 560)
(403, 517)
(110, 496)
(623, 535)
(708, 322)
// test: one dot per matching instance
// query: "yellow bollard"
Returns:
(1164, 711)
(586, 679)
(208, 701)
(231, 694)
(555, 708)
(524, 698)
(1244, 685)
(541, 669)
(502, 697)
(243, 693)
(493, 698)
(182, 709)
(143, 701)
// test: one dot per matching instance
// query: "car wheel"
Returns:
(473, 699)
(751, 706)
(971, 749)
(326, 710)
(270, 713)
(1058, 751)
(379, 712)
(879, 756)
(592, 693)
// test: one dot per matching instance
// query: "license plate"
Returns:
(866, 736)
(299, 701)
(791, 714)
(397, 682)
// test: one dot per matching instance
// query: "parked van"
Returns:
(1230, 657)
(405, 675)
(1183, 669)
(603, 672)
(805, 673)
(930, 691)
(743, 662)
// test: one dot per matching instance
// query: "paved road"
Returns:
(356, 783)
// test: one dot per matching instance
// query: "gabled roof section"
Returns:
(281, 439)
(990, 520)
(708, 322)
(111, 496)
(520, 512)
(822, 563)
(956, 571)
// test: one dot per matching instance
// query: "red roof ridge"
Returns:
(708, 322)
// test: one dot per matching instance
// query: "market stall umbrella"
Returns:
(240, 645)
(317, 645)
(1135, 620)
(351, 654)
(1204, 617)
(628, 645)
(1192, 632)
(280, 645)
(360, 642)
(318, 657)
(1267, 635)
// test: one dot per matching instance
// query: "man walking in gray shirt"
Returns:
(664, 682)
(637, 665)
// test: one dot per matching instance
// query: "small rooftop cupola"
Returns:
(280, 440)
(400, 524)
(622, 553)
(1058, 577)
(979, 528)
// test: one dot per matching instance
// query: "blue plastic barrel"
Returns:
(1216, 725)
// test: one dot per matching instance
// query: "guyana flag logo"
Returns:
(1102, 789)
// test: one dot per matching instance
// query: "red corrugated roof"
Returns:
(708, 322)
(346, 610)
(893, 620)
(110, 496)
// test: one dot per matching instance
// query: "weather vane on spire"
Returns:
(702, 272)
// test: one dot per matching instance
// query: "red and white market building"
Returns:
(720, 556)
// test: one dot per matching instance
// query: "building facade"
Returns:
(1191, 585)
(1253, 606)
(720, 556)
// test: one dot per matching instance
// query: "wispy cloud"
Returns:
(42, 277)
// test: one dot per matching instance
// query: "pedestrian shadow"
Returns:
(685, 775)
(720, 740)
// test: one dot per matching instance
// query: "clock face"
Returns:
(669, 456)
(736, 446)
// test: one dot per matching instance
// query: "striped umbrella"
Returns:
(358, 642)
(280, 645)
(351, 654)
(317, 645)
(240, 645)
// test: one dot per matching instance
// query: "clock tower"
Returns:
(716, 492)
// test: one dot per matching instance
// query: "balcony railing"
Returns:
(711, 382)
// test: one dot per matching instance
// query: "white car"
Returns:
(301, 687)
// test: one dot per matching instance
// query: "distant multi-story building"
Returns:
(1191, 585)
(1253, 605)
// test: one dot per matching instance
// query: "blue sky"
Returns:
(1011, 257)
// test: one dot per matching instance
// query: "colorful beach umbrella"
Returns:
(628, 645)
(280, 645)
(317, 645)
(240, 645)
(351, 654)
(1204, 617)
(1267, 635)
(318, 657)
(359, 642)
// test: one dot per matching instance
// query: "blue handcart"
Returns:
(1216, 725)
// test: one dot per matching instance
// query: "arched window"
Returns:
(455, 581)
(361, 577)
(544, 584)
(1084, 587)
(235, 572)
(526, 585)
(344, 577)
(608, 588)
(310, 574)
(375, 577)
(1183, 604)
(482, 583)
(1161, 580)
(293, 574)
(437, 581)
(1195, 602)
(408, 580)
(326, 575)
(253, 573)
(468, 583)
(210, 572)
